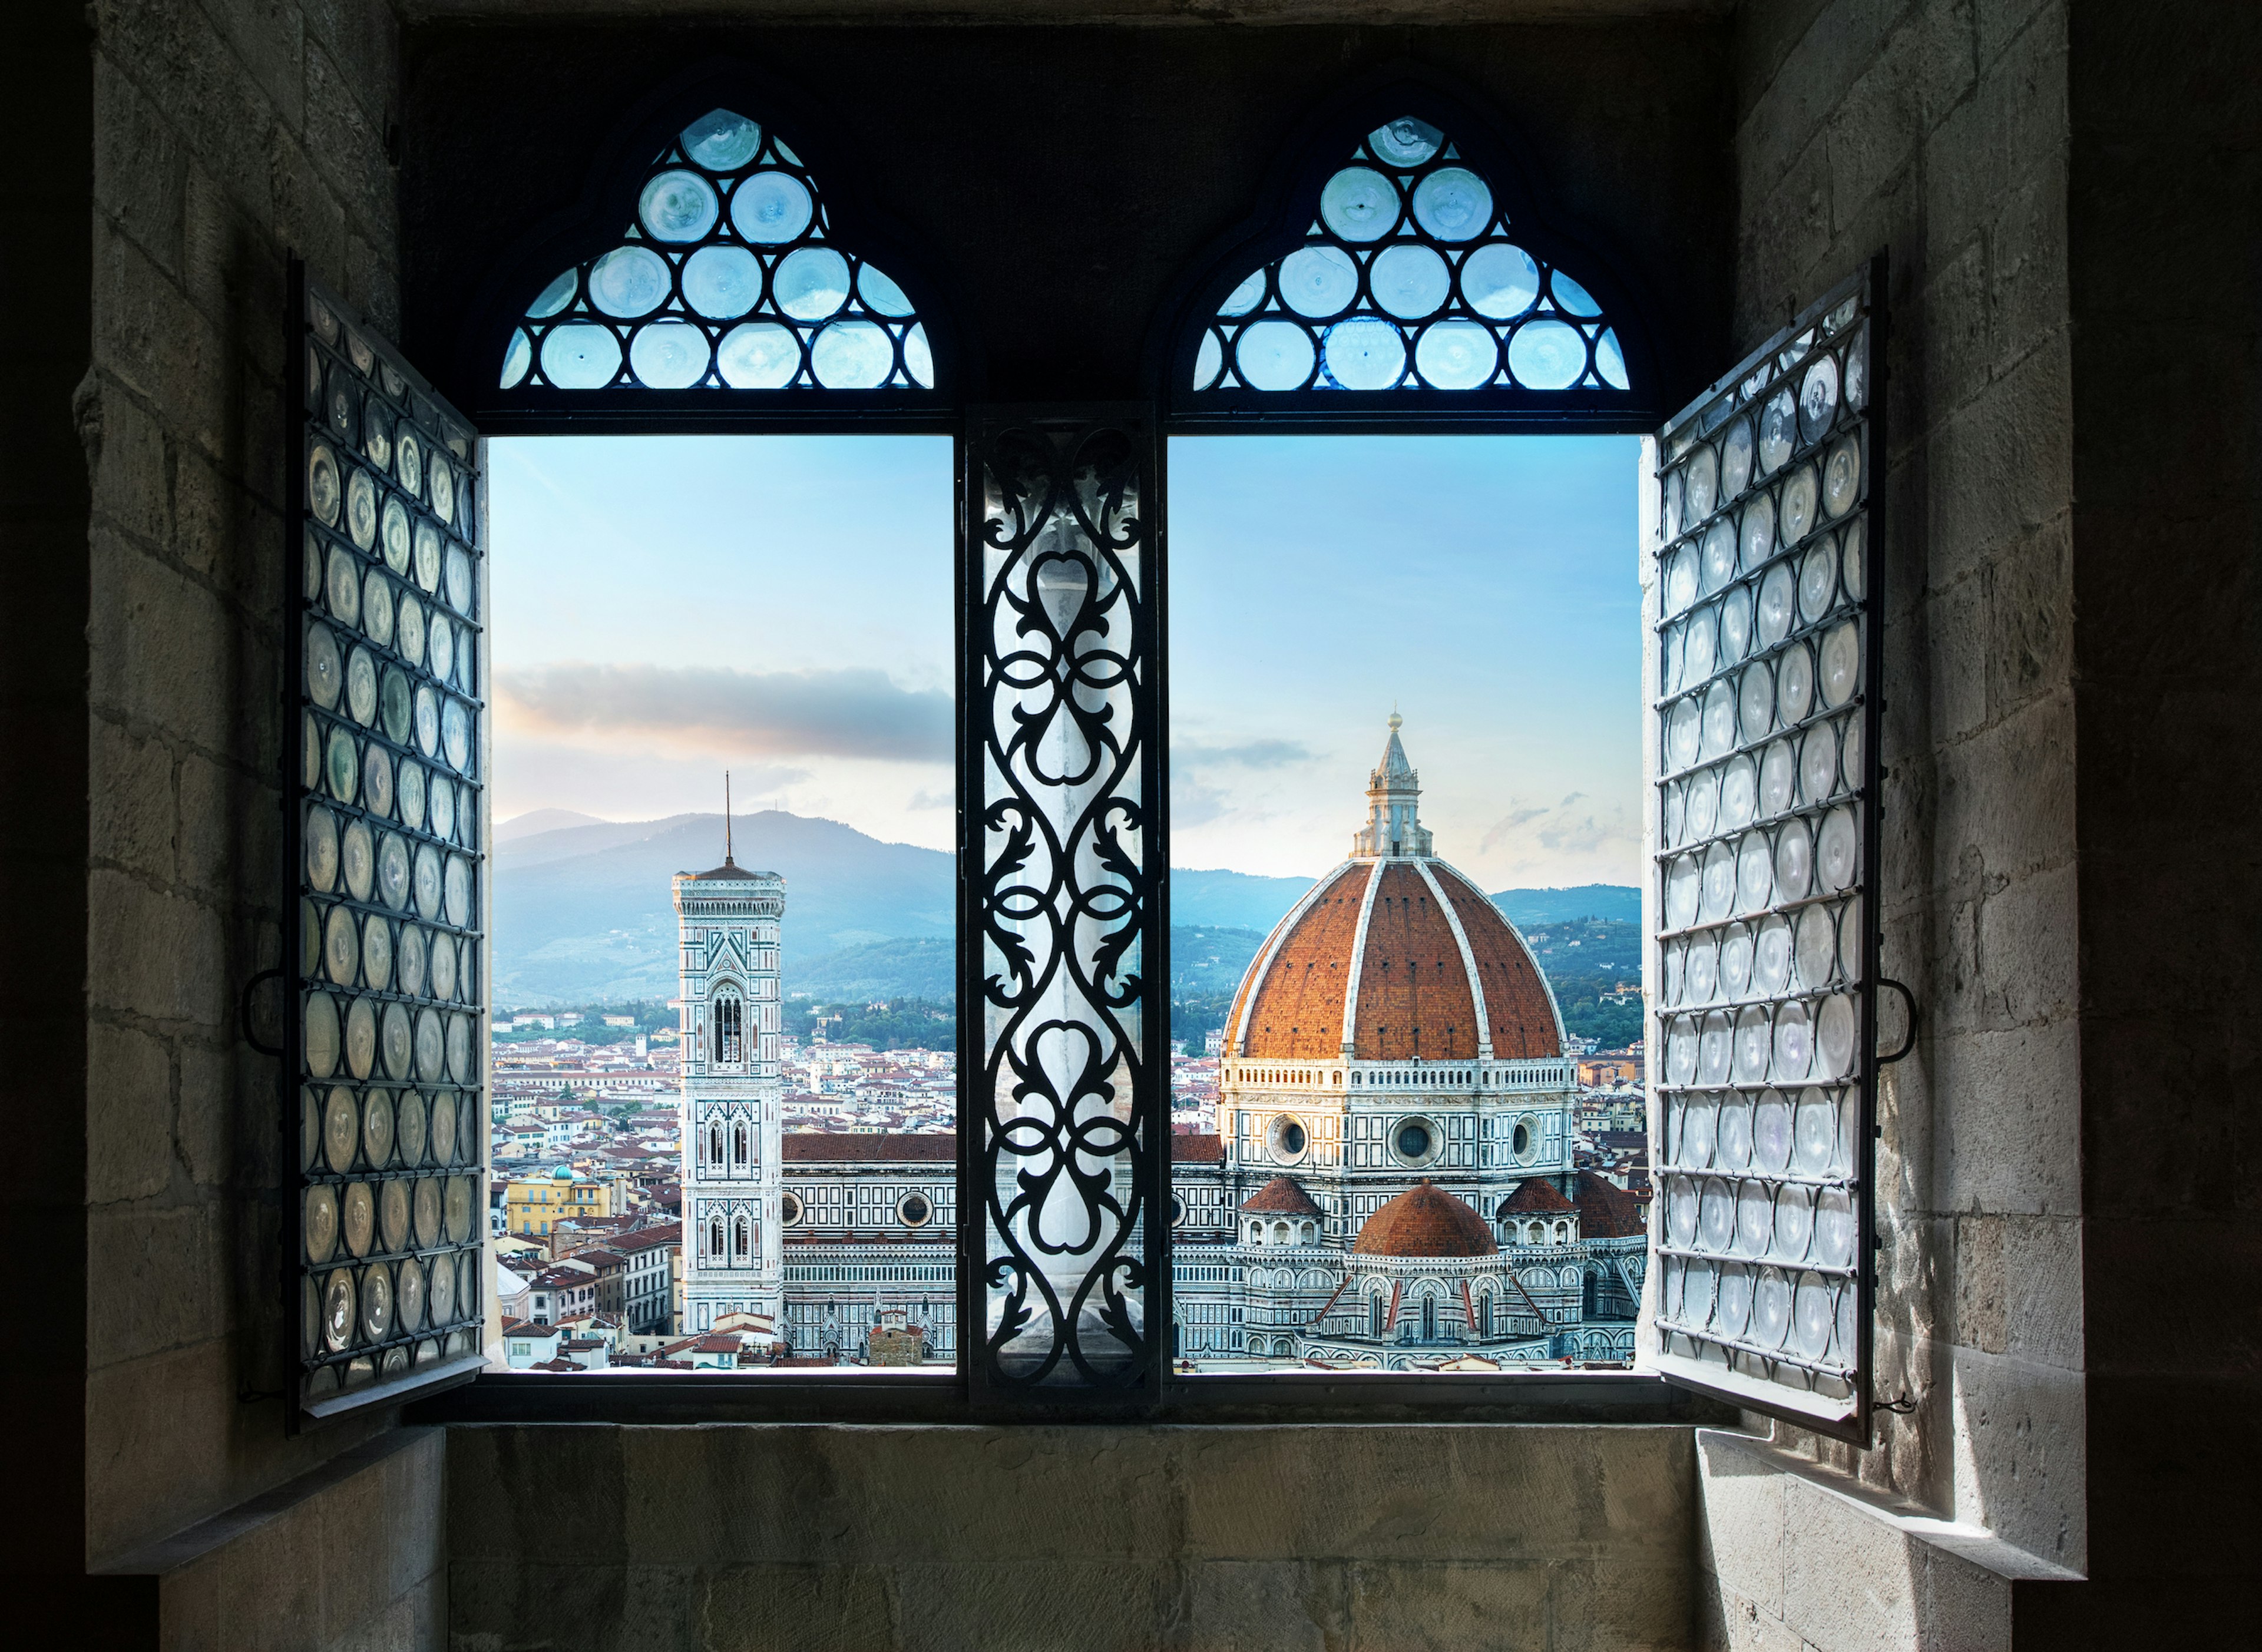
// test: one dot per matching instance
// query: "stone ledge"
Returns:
(1866, 1569)
(193, 1543)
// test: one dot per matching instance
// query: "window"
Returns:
(1409, 275)
(1767, 623)
(727, 279)
(730, 1043)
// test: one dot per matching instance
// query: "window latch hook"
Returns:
(1900, 1407)
(243, 1013)
(1908, 1000)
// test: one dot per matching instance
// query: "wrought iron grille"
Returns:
(388, 1046)
(1065, 1130)
(1410, 279)
(728, 279)
(1768, 619)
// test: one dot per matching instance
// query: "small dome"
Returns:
(1537, 1196)
(1283, 1196)
(1607, 1211)
(1425, 1220)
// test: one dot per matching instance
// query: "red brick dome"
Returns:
(1425, 1220)
(1396, 955)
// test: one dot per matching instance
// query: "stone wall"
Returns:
(228, 134)
(1094, 1537)
(349, 1556)
(1938, 129)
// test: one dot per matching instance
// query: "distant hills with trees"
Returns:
(582, 910)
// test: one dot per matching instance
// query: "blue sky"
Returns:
(665, 608)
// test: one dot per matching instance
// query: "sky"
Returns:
(665, 607)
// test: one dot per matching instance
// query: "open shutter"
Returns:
(385, 754)
(1064, 1141)
(1764, 596)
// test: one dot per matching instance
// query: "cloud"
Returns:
(1574, 826)
(849, 712)
(924, 799)
(1255, 754)
(1194, 804)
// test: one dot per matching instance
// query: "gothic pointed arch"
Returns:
(721, 263)
(1404, 269)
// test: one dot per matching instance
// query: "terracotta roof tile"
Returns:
(1517, 1000)
(1607, 1211)
(1193, 1148)
(826, 1147)
(1414, 996)
(1425, 1220)
(1284, 1195)
(1537, 1196)
(1298, 1013)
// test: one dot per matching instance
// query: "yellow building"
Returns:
(534, 1203)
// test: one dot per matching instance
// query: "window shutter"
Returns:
(384, 756)
(1065, 1138)
(1764, 596)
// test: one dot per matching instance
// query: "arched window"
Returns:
(1484, 1316)
(741, 1238)
(730, 1043)
(727, 279)
(714, 1144)
(715, 1238)
(1428, 1319)
(1410, 278)
(1376, 1312)
(738, 1146)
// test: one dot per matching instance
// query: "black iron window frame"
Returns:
(359, 413)
(1847, 325)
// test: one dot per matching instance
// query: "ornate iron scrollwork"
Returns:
(1062, 771)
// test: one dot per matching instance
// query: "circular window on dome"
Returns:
(1525, 1141)
(1416, 1141)
(1287, 1139)
(790, 1209)
(1177, 1210)
(914, 1212)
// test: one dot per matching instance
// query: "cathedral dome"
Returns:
(1284, 1195)
(1393, 956)
(1425, 1220)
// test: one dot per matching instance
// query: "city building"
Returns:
(536, 1203)
(1393, 1184)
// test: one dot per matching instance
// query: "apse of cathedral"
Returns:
(1393, 1184)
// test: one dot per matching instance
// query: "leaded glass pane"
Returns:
(726, 278)
(1066, 1121)
(1411, 278)
(1766, 798)
(388, 1044)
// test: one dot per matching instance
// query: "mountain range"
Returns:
(583, 911)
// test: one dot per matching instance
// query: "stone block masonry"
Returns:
(230, 135)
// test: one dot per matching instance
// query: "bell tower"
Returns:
(727, 923)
